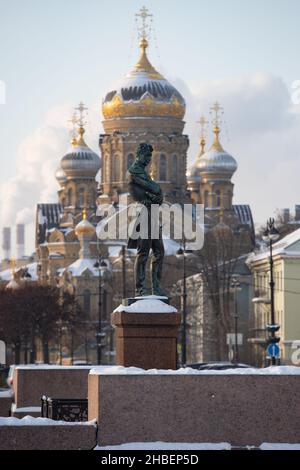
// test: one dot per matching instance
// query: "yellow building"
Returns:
(286, 257)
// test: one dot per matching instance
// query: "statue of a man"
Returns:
(147, 192)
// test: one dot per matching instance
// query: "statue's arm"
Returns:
(150, 186)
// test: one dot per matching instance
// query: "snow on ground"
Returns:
(167, 446)
(150, 304)
(30, 421)
(120, 370)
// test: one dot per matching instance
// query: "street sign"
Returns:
(273, 350)
(230, 339)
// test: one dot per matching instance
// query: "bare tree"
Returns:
(218, 258)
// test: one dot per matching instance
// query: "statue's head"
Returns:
(144, 153)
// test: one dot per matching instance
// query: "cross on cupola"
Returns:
(203, 127)
(217, 112)
(81, 120)
(145, 27)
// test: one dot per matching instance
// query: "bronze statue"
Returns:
(147, 192)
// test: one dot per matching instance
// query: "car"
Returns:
(218, 365)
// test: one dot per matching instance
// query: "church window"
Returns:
(218, 198)
(162, 168)
(174, 168)
(81, 197)
(116, 172)
(87, 301)
(70, 197)
(130, 159)
(206, 199)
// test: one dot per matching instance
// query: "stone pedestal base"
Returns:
(146, 340)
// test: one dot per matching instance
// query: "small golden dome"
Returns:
(84, 227)
(143, 92)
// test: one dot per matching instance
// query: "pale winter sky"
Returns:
(243, 53)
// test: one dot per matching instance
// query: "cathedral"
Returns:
(143, 107)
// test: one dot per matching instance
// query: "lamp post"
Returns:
(235, 287)
(270, 236)
(181, 254)
(102, 266)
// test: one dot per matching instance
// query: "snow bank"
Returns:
(120, 370)
(167, 446)
(30, 421)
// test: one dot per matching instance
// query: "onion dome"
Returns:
(60, 175)
(143, 92)
(84, 227)
(217, 160)
(81, 162)
(193, 174)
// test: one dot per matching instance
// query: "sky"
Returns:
(243, 53)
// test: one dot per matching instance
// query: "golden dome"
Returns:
(143, 93)
(84, 227)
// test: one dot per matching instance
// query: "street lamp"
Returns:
(270, 236)
(235, 287)
(102, 266)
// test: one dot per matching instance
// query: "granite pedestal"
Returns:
(146, 334)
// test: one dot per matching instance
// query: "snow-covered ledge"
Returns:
(238, 406)
(120, 370)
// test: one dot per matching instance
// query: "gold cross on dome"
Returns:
(143, 30)
(73, 121)
(203, 123)
(218, 111)
(81, 111)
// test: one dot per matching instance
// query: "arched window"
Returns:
(116, 168)
(174, 168)
(206, 199)
(70, 197)
(87, 301)
(130, 160)
(162, 168)
(218, 198)
(80, 202)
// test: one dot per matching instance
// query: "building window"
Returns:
(81, 197)
(87, 301)
(130, 160)
(70, 196)
(218, 198)
(174, 168)
(162, 168)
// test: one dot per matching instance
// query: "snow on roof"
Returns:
(279, 248)
(31, 269)
(120, 370)
(80, 265)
